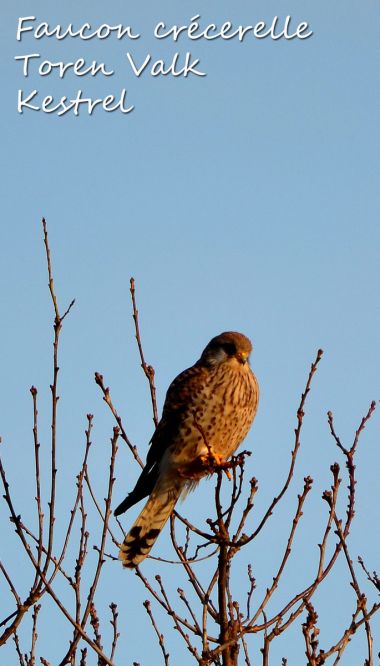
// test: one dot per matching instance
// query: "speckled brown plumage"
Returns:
(208, 411)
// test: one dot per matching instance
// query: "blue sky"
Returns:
(246, 200)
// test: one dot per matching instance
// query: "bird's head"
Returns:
(229, 346)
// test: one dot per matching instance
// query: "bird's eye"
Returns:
(229, 348)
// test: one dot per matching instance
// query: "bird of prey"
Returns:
(207, 413)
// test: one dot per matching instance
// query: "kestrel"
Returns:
(208, 411)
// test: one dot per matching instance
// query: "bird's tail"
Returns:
(142, 535)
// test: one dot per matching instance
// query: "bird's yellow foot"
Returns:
(213, 461)
(204, 464)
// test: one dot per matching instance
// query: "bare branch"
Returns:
(161, 639)
(115, 632)
(297, 442)
(32, 657)
(57, 330)
(107, 399)
(148, 369)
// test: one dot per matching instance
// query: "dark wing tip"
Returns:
(124, 506)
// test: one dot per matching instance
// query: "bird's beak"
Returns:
(243, 357)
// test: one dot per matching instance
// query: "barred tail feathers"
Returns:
(147, 527)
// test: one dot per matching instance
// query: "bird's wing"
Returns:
(182, 396)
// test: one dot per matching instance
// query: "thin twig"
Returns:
(115, 633)
(297, 443)
(148, 369)
(101, 560)
(373, 578)
(32, 658)
(18, 649)
(40, 514)
(97, 505)
(161, 639)
(301, 499)
(57, 330)
(197, 586)
(178, 623)
(107, 399)
(11, 586)
(362, 600)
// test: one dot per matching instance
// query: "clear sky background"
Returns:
(243, 200)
